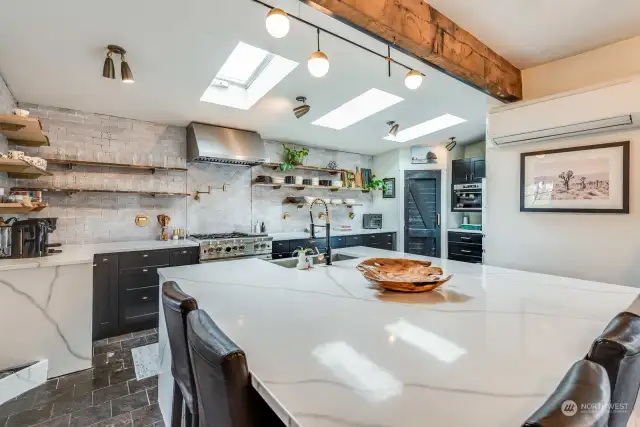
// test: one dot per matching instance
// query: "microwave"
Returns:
(370, 221)
(466, 198)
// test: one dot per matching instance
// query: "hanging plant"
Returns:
(376, 184)
(292, 157)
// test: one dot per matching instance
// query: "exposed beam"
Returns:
(418, 29)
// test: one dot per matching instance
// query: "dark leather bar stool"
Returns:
(224, 392)
(617, 349)
(586, 383)
(177, 305)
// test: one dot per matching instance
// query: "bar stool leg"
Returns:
(188, 417)
(176, 411)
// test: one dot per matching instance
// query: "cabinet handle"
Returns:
(438, 216)
(145, 298)
(144, 270)
(464, 251)
(466, 177)
(471, 176)
(95, 265)
(105, 259)
(145, 255)
(465, 238)
(184, 252)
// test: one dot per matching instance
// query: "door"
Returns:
(422, 213)
(461, 171)
(477, 169)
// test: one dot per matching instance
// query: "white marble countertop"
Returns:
(462, 230)
(325, 349)
(291, 235)
(82, 254)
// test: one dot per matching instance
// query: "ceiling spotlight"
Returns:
(318, 62)
(108, 70)
(393, 131)
(413, 80)
(302, 109)
(125, 71)
(277, 23)
(451, 145)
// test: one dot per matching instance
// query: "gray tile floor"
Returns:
(106, 395)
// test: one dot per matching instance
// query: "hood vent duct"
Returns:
(215, 144)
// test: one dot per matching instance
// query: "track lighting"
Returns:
(302, 109)
(393, 131)
(277, 23)
(451, 145)
(413, 79)
(108, 69)
(318, 62)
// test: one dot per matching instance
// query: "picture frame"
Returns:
(422, 155)
(390, 192)
(584, 179)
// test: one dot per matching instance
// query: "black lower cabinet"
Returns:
(465, 247)
(380, 241)
(126, 289)
(285, 248)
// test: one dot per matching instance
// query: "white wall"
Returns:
(607, 63)
(600, 247)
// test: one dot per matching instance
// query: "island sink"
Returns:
(292, 262)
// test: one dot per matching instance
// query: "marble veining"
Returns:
(327, 349)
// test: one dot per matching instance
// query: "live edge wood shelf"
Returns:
(276, 166)
(70, 163)
(20, 208)
(26, 131)
(303, 187)
(70, 191)
(18, 168)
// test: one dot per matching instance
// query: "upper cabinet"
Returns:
(465, 171)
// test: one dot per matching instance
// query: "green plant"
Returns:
(304, 251)
(376, 184)
(292, 157)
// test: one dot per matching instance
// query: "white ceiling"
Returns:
(529, 33)
(52, 54)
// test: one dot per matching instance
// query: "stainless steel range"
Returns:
(226, 246)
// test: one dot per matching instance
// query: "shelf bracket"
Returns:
(224, 187)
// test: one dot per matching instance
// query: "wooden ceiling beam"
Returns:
(420, 30)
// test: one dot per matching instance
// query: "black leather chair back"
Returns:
(617, 349)
(586, 383)
(221, 374)
(177, 305)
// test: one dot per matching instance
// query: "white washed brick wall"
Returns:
(7, 103)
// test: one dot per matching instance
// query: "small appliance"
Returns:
(371, 221)
(466, 198)
(30, 238)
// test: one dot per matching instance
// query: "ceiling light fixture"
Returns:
(318, 62)
(413, 79)
(426, 128)
(277, 23)
(451, 145)
(108, 69)
(393, 131)
(125, 71)
(302, 109)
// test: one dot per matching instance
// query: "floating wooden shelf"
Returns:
(301, 205)
(276, 166)
(71, 163)
(315, 187)
(20, 208)
(70, 191)
(18, 168)
(25, 131)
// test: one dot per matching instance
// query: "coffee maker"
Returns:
(30, 238)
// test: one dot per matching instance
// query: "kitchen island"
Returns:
(326, 349)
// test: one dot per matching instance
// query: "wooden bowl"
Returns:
(402, 275)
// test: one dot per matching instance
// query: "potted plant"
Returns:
(292, 157)
(376, 184)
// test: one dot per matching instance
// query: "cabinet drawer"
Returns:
(380, 240)
(355, 241)
(280, 246)
(321, 244)
(465, 258)
(137, 305)
(473, 238)
(339, 242)
(186, 256)
(465, 249)
(280, 256)
(143, 259)
(139, 277)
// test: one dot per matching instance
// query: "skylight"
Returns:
(425, 128)
(369, 103)
(246, 76)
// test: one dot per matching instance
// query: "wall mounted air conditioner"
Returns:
(605, 108)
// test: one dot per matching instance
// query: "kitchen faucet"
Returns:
(327, 258)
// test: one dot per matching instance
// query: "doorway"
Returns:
(422, 219)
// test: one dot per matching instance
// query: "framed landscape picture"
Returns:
(390, 192)
(587, 179)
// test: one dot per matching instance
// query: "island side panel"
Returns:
(165, 379)
(45, 313)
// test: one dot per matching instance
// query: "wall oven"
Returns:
(466, 198)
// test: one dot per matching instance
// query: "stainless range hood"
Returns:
(215, 144)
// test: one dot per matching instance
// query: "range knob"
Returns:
(235, 248)
(219, 249)
(257, 246)
(241, 247)
(210, 250)
(263, 245)
(228, 249)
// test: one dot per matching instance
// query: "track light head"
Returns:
(394, 128)
(413, 79)
(451, 145)
(277, 23)
(108, 69)
(125, 71)
(302, 109)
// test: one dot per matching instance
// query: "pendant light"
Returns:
(318, 63)
(108, 69)
(413, 79)
(125, 71)
(393, 131)
(302, 109)
(277, 23)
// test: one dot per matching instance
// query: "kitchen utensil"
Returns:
(325, 182)
(402, 275)
(298, 180)
(278, 179)
(289, 179)
(336, 183)
(306, 181)
(263, 179)
(164, 221)
(315, 181)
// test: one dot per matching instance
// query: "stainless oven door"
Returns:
(467, 201)
(265, 257)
